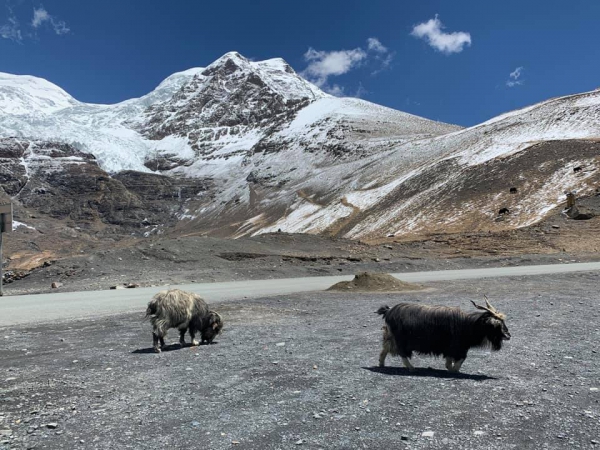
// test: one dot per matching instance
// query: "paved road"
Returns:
(24, 309)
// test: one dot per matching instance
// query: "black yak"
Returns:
(440, 331)
(185, 311)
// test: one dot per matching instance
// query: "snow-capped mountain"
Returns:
(219, 111)
(272, 152)
(33, 108)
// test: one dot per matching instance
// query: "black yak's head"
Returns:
(213, 327)
(496, 330)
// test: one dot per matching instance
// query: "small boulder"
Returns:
(580, 213)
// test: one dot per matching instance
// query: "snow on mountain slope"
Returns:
(33, 108)
(459, 181)
(27, 95)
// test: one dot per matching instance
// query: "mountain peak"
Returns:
(26, 94)
(233, 61)
(229, 62)
(233, 55)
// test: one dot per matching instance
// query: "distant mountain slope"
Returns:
(467, 176)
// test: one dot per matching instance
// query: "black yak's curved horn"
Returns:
(488, 304)
(478, 306)
(489, 309)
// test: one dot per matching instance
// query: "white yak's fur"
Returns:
(175, 309)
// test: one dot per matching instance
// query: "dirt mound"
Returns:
(374, 282)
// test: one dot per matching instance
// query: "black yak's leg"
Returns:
(193, 336)
(407, 363)
(382, 356)
(155, 342)
(182, 337)
(449, 362)
(457, 365)
(162, 341)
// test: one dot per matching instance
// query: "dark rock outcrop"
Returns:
(58, 181)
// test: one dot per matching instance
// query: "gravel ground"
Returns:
(300, 372)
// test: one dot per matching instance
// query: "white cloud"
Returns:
(340, 91)
(41, 16)
(382, 54)
(514, 77)
(373, 44)
(385, 62)
(516, 73)
(447, 43)
(322, 65)
(11, 30)
(360, 91)
(335, 90)
(60, 27)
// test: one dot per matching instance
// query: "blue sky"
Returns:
(448, 61)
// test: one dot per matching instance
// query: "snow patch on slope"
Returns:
(17, 224)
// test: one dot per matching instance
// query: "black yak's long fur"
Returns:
(439, 331)
(185, 311)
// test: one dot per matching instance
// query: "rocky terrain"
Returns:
(301, 371)
(162, 260)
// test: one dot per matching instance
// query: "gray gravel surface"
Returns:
(300, 371)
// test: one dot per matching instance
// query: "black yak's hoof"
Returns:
(156, 350)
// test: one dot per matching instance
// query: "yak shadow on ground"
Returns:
(171, 347)
(427, 372)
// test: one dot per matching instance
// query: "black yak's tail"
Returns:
(383, 310)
